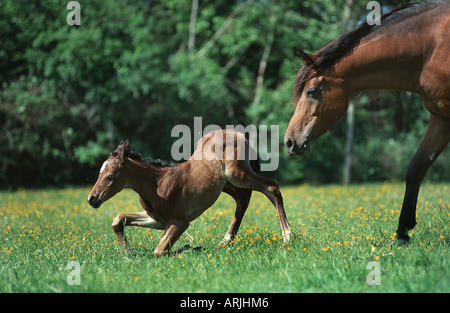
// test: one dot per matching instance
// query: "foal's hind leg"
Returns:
(141, 219)
(435, 140)
(242, 198)
(240, 175)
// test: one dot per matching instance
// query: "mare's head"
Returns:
(111, 178)
(319, 102)
(320, 96)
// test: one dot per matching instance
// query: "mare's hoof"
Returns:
(403, 239)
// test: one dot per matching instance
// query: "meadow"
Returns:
(338, 230)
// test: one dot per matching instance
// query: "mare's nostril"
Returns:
(288, 142)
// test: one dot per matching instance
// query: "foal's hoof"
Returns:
(129, 251)
(221, 245)
(288, 236)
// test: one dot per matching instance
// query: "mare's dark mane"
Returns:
(346, 43)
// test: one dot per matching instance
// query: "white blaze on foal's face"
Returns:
(107, 184)
(104, 165)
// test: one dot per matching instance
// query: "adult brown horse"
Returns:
(174, 195)
(409, 51)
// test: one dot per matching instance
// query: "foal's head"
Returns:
(110, 180)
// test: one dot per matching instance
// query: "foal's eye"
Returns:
(110, 177)
(312, 92)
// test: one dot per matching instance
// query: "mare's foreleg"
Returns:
(242, 198)
(434, 141)
(140, 219)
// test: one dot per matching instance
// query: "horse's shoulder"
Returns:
(169, 182)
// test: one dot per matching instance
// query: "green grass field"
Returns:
(339, 230)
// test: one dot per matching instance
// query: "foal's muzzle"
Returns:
(94, 201)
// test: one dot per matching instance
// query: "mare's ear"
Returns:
(122, 151)
(308, 59)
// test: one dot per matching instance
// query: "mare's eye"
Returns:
(110, 177)
(312, 92)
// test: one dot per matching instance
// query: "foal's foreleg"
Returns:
(175, 228)
(242, 198)
(141, 219)
(435, 140)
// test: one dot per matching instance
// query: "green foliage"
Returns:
(69, 94)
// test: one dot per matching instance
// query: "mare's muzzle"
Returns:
(297, 149)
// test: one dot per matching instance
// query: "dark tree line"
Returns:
(135, 69)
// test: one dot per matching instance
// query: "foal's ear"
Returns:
(308, 59)
(122, 151)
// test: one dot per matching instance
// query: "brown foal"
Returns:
(174, 195)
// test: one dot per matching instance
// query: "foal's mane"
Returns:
(346, 43)
(149, 161)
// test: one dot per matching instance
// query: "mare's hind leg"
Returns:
(240, 175)
(435, 140)
(141, 219)
(242, 198)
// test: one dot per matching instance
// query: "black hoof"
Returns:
(403, 238)
(188, 247)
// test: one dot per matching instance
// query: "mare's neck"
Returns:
(383, 62)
